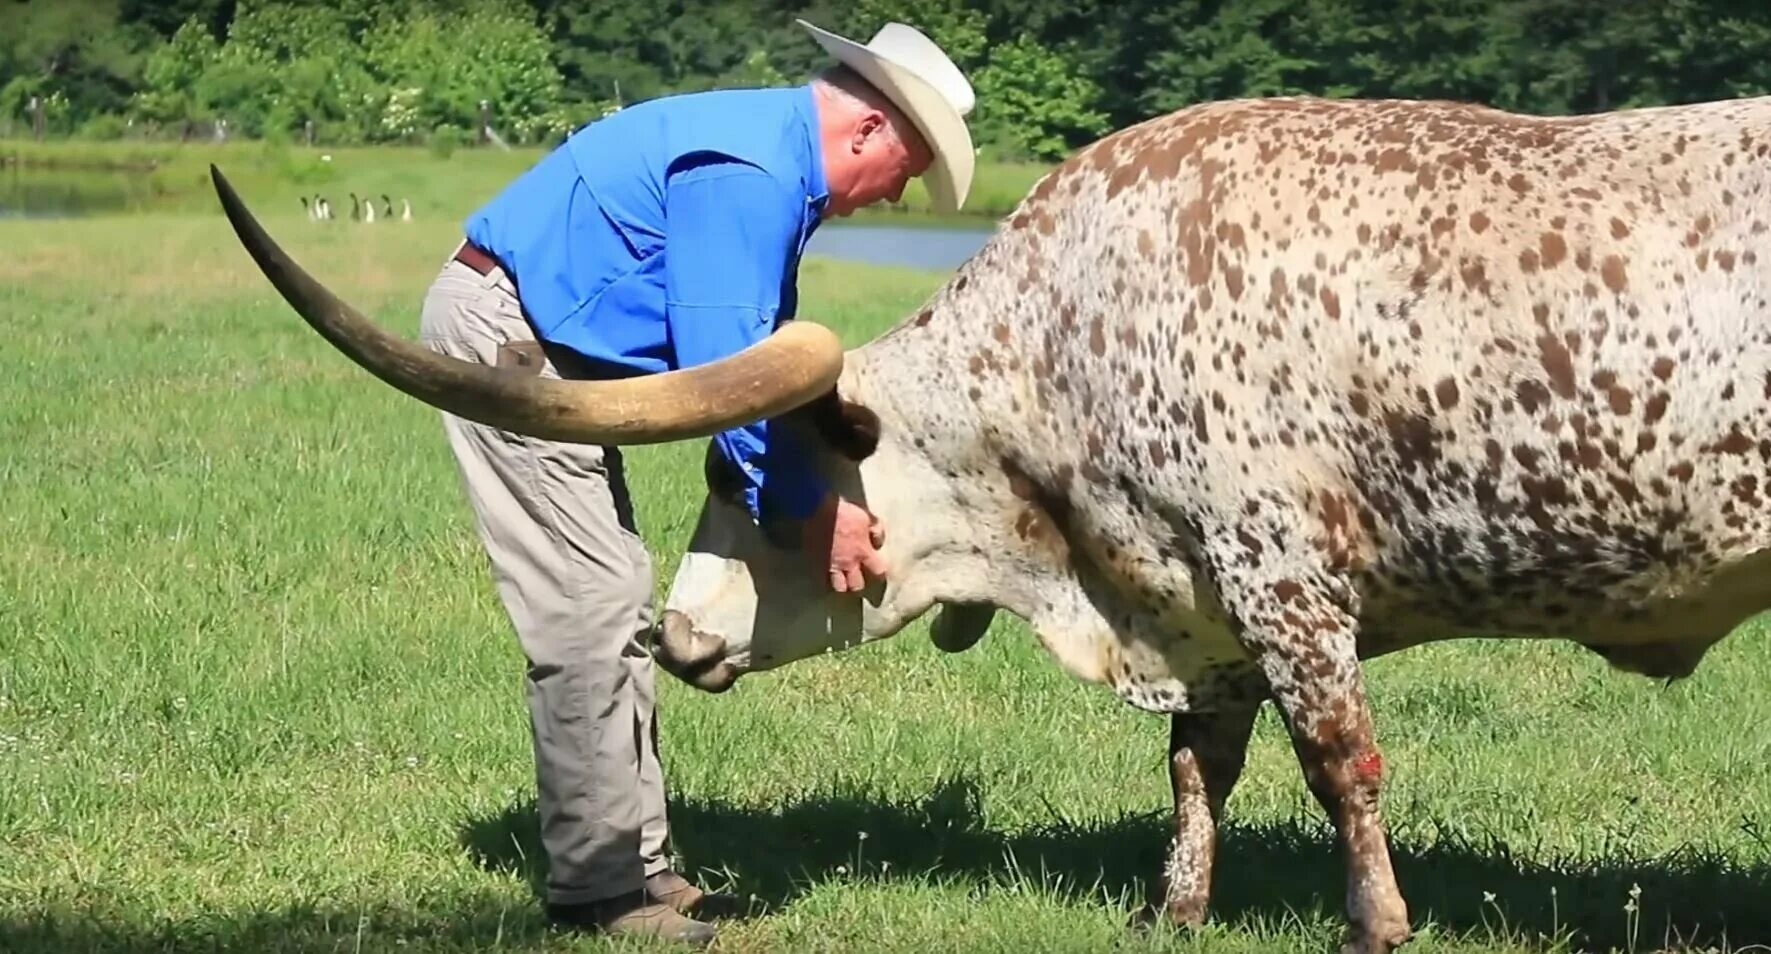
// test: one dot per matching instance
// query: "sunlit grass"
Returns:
(256, 692)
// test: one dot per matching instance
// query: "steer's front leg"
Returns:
(1205, 756)
(1299, 620)
(1306, 647)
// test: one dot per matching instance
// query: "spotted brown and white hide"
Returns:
(1249, 392)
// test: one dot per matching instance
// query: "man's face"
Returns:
(884, 164)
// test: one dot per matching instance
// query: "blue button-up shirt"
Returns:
(668, 235)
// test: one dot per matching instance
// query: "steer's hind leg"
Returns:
(1205, 755)
(1299, 620)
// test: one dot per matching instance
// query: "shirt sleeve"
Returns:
(731, 231)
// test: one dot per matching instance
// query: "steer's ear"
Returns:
(849, 428)
(960, 625)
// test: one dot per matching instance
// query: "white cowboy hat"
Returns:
(923, 83)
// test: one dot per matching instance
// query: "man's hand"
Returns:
(847, 537)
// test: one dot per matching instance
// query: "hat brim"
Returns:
(949, 177)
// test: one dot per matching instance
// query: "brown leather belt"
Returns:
(476, 258)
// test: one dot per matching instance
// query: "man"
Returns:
(666, 235)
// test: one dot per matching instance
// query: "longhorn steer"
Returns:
(1249, 392)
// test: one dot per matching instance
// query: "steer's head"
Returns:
(746, 597)
(749, 596)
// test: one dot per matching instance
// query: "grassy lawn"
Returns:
(257, 693)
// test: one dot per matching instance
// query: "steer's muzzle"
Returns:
(696, 658)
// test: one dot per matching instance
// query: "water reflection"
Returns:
(43, 193)
(905, 246)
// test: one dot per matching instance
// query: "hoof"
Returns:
(1152, 918)
(1381, 941)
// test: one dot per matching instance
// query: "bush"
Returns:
(445, 139)
(103, 126)
(302, 166)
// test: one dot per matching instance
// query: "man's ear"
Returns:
(872, 122)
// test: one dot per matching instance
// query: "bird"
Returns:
(356, 208)
(387, 206)
(312, 211)
(406, 210)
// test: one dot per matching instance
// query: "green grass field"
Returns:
(257, 693)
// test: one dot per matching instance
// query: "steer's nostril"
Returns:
(695, 657)
(686, 646)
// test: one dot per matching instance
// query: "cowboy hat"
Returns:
(925, 85)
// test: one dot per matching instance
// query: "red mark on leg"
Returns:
(1369, 765)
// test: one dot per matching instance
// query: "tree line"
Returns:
(1050, 74)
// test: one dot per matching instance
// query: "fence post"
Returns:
(485, 121)
(37, 117)
(308, 131)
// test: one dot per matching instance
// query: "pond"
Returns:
(908, 246)
(32, 193)
(38, 193)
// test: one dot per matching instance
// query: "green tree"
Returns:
(165, 17)
(1033, 102)
(1569, 57)
(960, 29)
(605, 48)
(1566, 56)
(431, 79)
(172, 73)
(1435, 49)
(1047, 71)
(708, 39)
(1194, 51)
(79, 53)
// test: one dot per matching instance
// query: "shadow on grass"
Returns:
(450, 923)
(1266, 873)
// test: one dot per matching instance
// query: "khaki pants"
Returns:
(576, 581)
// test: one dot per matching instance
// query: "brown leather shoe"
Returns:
(685, 897)
(633, 914)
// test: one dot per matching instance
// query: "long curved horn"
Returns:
(796, 364)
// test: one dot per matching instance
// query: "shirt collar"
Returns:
(817, 187)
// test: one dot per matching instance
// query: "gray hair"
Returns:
(851, 92)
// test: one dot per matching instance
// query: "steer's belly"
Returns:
(1696, 603)
(1172, 656)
